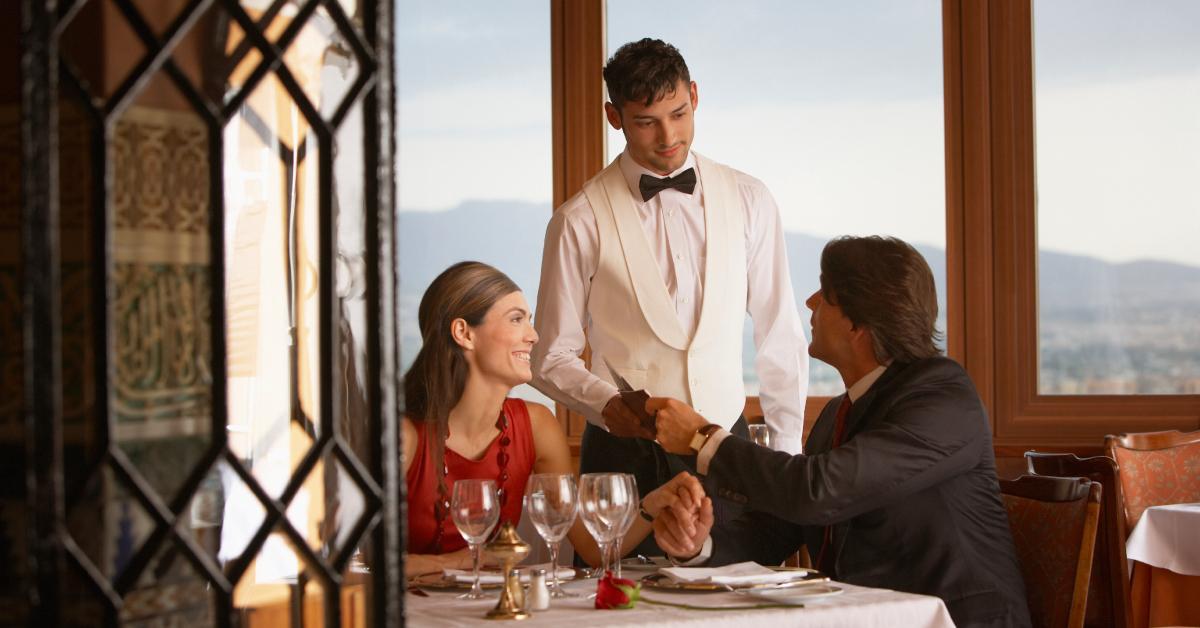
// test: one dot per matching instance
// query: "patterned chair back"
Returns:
(1155, 468)
(1108, 592)
(1053, 522)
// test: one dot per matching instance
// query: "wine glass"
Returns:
(760, 434)
(475, 508)
(550, 500)
(603, 502)
(631, 513)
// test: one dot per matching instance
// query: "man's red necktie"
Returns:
(825, 557)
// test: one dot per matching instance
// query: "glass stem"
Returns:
(604, 548)
(553, 547)
(476, 590)
(616, 558)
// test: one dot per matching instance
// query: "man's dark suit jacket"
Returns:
(911, 492)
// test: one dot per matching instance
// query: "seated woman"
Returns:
(477, 331)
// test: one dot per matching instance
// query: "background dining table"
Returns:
(854, 607)
(1164, 550)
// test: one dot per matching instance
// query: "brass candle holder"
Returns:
(509, 549)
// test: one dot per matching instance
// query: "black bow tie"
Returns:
(684, 182)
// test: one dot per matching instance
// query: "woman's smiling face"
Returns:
(503, 340)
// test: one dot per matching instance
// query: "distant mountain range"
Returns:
(509, 235)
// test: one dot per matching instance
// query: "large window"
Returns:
(474, 171)
(873, 101)
(1118, 209)
(837, 109)
(1046, 227)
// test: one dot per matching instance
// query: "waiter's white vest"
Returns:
(633, 320)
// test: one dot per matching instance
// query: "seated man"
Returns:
(897, 488)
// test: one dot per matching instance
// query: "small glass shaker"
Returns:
(539, 594)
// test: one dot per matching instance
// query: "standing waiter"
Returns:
(656, 262)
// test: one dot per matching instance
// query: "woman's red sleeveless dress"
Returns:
(422, 479)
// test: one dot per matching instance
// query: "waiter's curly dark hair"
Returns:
(644, 70)
(885, 285)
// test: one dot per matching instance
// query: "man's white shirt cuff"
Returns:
(709, 450)
(698, 559)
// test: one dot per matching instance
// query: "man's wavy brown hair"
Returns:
(645, 70)
(884, 285)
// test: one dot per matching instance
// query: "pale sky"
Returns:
(837, 107)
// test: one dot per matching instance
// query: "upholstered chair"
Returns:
(1053, 523)
(1108, 593)
(1155, 468)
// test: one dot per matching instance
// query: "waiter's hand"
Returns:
(676, 423)
(622, 421)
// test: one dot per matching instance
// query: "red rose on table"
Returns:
(616, 592)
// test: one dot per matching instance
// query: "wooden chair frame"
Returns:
(1146, 441)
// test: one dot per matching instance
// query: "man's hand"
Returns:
(682, 489)
(622, 421)
(681, 528)
(676, 423)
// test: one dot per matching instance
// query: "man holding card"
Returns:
(655, 264)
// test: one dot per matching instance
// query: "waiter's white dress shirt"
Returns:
(674, 226)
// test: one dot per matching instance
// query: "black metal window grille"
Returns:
(49, 78)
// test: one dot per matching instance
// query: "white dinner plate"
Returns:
(807, 593)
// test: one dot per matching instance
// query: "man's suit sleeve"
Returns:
(756, 536)
(929, 433)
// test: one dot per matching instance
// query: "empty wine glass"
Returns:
(550, 500)
(475, 509)
(631, 513)
(603, 502)
(760, 434)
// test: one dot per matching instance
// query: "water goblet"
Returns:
(475, 508)
(603, 502)
(551, 501)
(760, 434)
(631, 513)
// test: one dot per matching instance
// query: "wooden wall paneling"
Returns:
(1010, 68)
(577, 95)
(969, 242)
(952, 82)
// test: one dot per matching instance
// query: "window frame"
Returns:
(991, 204)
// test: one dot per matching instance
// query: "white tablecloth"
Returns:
(1168, 537)
(856, 607)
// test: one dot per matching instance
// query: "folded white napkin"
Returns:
(739, 573)
(495, 577)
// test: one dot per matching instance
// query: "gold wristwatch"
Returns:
(701, 437)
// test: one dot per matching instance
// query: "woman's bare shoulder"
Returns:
(539, 412)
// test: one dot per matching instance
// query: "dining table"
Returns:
(852, 606)
(1164, 556)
